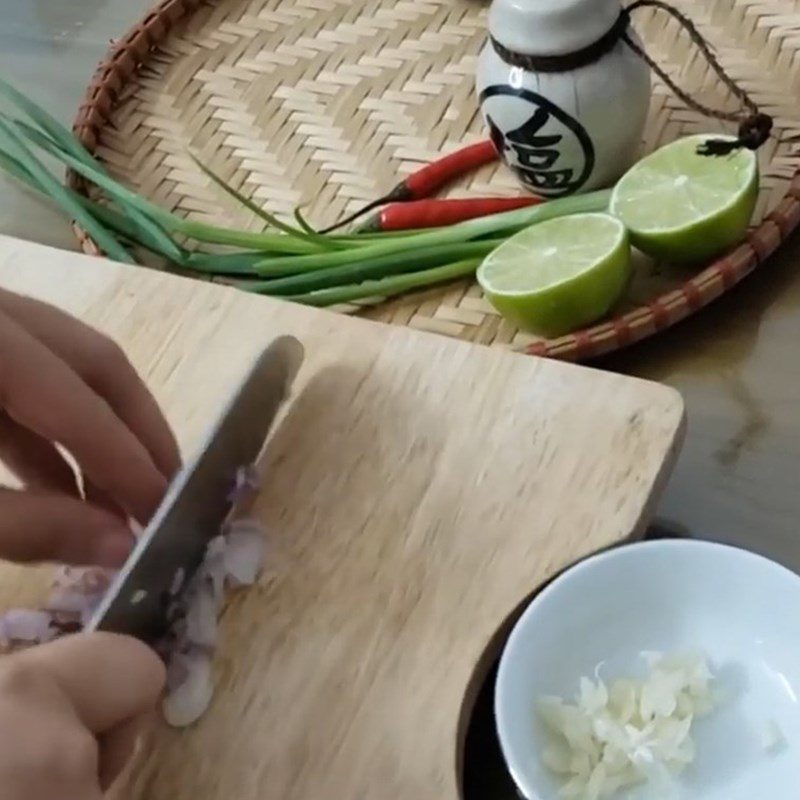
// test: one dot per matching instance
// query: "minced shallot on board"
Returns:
(233, 559)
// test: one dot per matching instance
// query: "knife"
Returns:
(197, 501)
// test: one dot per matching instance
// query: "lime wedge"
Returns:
(683, 207)
(559, 275)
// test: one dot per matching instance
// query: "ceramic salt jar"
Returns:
(564, 96)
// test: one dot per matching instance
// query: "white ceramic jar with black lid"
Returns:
(565, 98)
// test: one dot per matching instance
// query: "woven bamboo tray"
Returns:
(325, 103)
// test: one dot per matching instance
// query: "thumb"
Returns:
(109, 679)
(120, 750)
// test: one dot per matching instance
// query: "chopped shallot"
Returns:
(74, 596)
(633, 731)
(246, 485)
(178, 579)
(202, 611)
(26, 626)
(190, 694)
(244, 551)
(233, 559)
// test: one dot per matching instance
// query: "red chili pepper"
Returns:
(428, 180)
(433, 177)
(438, 213)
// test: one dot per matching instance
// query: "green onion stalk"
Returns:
(383, 288)
(292, 261)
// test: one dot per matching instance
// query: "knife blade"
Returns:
(198, 500)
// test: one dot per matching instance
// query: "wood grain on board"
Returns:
(417, 490)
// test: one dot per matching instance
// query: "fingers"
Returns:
(97, 497)
(61, 700)
(47, 752)
(39, 465)
(40, 526)
(120, 746)
(35, 461)
(109, 679)
(105, 368)
(42, 393)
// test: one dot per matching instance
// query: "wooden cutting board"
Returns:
(418, 490)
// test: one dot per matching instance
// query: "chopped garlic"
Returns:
(628, 733)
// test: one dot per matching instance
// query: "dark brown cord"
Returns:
(567, 61)
(754, 129)
(704, 47)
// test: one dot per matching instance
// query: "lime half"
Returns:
(684, 207)
(559, 275)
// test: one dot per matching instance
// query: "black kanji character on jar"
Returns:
(535, 149)
(535, 157)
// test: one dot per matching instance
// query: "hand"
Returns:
(63, 383)
(68, 711)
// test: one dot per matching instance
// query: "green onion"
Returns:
(108, 217)
(504, 224)
(14, 168)
(240, 263)
(46, 122)
(304, 223)
(390, 263)
(127, 228)
(309, 235)
(387, 287)
(295, 261)
(14, 147)
(171, 222)
(55, 135)
(274, 243)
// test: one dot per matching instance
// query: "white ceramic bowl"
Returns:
(741, 610)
